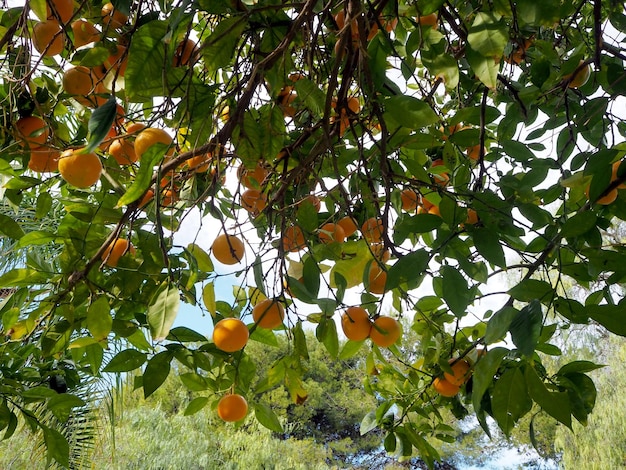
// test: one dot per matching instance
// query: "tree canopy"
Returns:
(343, 164)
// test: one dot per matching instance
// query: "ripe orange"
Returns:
(348, 225)
(268, 314)
(472, 217)
(519, 53)
(44, 160)
(473, 153)
(293, 239)
(385, 331)
(78, 81)
(441, 179)
(460, 372)
(377, 278)
(410, 199)
(84, 32)
(356, 324)
(434, 210)
(199, 163)
(48, 38)
(113, 18)
(614, 175)
(372, 230)
(445, 388)
(147, 197)
(230, 334)
(428, 20)
(605, 200)
(580, 77)
(186, 53)
(169, 197)
(232, 407)
(252, 179)
(116, 250)
(353, 104)
(254, 201)
(123, 150)
(117, 61)
(32, 131)
(286, 97)
(60, 10)
(135, 128)
(150, 136)
(379, 252)
(80, 169)
(331, 233)
(228, 249)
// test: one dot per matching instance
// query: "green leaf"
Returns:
(157, 370)
(126, 360)
(326, 333)
(409, 112)
(368, 423)
(509, 399)
(36, 238)
(489, 246)
(484, 373)
(526, 328)
(194, 382)
(208, 297)
(100, 124)
(163, 310)
(185, 335)
(350, 349)
(299, 341)
(582, 394)
(218, 50)
(22, 277)
(579, 224)
(264, 336)
(62, 404)
(612, 317)
(488, 36)
(313, 97)
(556, 404)
(266, 416)
(143, 177)
(205, 264)
(455, 291)
(99, 319)
(57, 447)
(10, 227)
(407, 270)
(499, 324)
(196, 405)
(578, 367)
(531, 289)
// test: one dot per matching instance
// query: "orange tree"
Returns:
(495, 118)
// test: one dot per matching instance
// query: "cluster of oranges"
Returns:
(450, 384)
(356, 324)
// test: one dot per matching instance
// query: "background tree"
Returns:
(341, 154)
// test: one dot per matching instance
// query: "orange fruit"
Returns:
(331, 233)
(62, 10)
(150, 136)
(356, 324)
(472, 217)
(434, 210)
(293, 239)
(348, 225)
(252, 179)
(377, 278)
(32, 131)
(354, 105)
(80, 169)
(116, 250)
(123, 150)
(135, 128)
(385, 331)
(254, 201)
(199, 163)
(410, 199)
(473, 153)
(147, 197)
(379, 252)
(428, 20)
(519, 53)
(372, 230)
(614, 175)
(230, 335)
(78, 81)
(445, 388)
(112, 17)
(460, 372)
(441, 179)
(228, 249)
(84, 32)
(286, 97)
(108, 139)
(232, 407)
(169, 197)
(605, 200)
(48, 38)
(579, 77)
(186, 53)
(44, 160)
(117, 61)
(268, 314)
